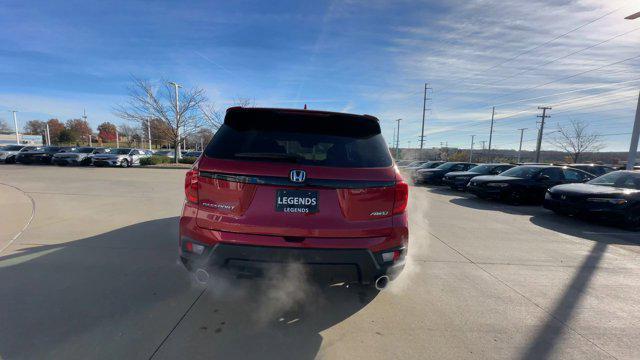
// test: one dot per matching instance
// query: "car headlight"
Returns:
(614, 201)
(498, 185)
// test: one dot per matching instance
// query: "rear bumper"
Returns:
(353, 260)
(331, 265)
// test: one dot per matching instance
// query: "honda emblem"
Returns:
(297, 175)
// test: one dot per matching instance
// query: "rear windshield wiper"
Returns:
(268, 156)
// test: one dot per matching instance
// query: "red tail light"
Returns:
(401, 197)
(191, 186)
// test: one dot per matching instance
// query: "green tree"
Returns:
(67, 136)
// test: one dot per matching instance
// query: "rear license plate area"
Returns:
(296, 201)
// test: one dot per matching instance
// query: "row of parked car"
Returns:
(587, 190)
(81, 156)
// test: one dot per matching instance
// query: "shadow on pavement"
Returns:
(262, 322)
(493, 205)
(551, 332)
(582, 228)
(119, 294)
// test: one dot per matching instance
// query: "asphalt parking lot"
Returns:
(88, 269)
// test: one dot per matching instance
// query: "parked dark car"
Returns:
(426, 165)
(614, 197)
(458, 180)
(525, 184)
(192, 154)
(594, 169)
(39, 155)
(412, 166)
(8, 153)
(434, 176)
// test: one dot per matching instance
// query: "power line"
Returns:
(549, 41)
(562, 57)
(571, 76)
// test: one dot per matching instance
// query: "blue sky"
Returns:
(373, 57)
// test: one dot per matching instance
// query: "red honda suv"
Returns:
(279, 185)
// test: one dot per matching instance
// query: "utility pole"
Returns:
(424, 112)
(520, 148)
(633, 147)
(398, 139)
(493, 112)
(483, 144)
(15, 124)
(542, 117)
(117, 138)
(48, 135)
(471, 149)
(177, 147)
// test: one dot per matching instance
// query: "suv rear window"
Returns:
(319, 139)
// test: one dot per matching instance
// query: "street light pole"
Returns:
(48, 136)
(520, 148)
(177, 143)
(15, 124)
(398, 139)
(633, 147)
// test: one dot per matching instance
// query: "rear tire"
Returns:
(124, 163)
(632, 221)
(10, 160)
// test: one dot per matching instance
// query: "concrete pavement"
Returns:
(94, 275)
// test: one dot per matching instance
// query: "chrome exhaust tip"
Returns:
(381, 282)
(202, 276)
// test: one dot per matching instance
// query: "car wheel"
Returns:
(632, 221)
(124, 163)
(10, 160)
(514, 198)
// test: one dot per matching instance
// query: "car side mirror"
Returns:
(544, 177)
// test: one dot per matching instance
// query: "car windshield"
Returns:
(523, 172)
(12, 148)
(319, 139)
(121, 151)
(482, 169)
(621, 179)
(84, 150)
(446, 166)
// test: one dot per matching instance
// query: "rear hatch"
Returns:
(298, 174)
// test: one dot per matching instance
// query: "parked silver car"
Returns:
(8, 153)
(123, 157)
(78, 156)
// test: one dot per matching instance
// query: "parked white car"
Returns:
(123, 157)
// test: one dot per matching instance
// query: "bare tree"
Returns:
(575, 139)
(4, 127)
(144, 103)
(213, 117)
(129, 133)
(244, 102)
